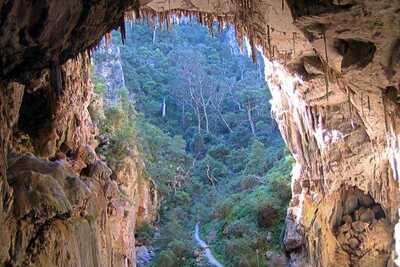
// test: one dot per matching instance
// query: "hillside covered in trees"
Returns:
(198, 111)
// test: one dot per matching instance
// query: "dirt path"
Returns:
(207, 251)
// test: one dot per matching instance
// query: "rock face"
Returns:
(333, 68)
(62, 204)
(40, 34)
(338, 116)
(110, 69)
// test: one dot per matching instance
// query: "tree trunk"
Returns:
(206, 118)
(154, 34)
(204, 107)
(249, 117)
(198, 120)
(225, 122)
(164, 108)
(183, 115)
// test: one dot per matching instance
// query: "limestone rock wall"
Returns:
(140, 204)
(43, 34)
(53, 121)
(108, 67)
(62, 204)
(337, 107)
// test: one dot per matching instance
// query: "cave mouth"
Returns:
(356, 53)
(362, 228)
(318, 7)
(214, 148)
(35, 113)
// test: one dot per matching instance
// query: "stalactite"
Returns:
(130, 16)
(285, 59)
(393, 124)
(253, 48)
(283, 5)
(269, 41)
(241, 21)
(294, 42)
(135, 13)
(385, 111)
(349, 102)
(362, 104)
(107, 38)
(89, 53)
(122, 29)
(326, 67)
(167, 20)
(56, 78)
(369, 105)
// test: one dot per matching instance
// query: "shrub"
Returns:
(197, 146)
(267, 215)
(182, 198)
(166, 258)
(179, 248)
(211, 170)
(240, 137)
(282, 190)
(237, 160)
(99, 85)
(144, 233)
(243, 253)
(238, 228)
(250, 181)
(219, 152)
(257, 160)
(223, 209)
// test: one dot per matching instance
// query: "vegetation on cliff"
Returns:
(198, 112)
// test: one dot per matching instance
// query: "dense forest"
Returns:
(197, 109)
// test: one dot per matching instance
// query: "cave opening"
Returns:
(356, 53)
(35, 113)
(362, 228)
(318, 7)
(191, 120)
(202, 121)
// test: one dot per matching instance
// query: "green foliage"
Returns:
(210, 170)
(237, 159)
(182, 198)
(250, 181)
(165, 156)
(219, 152)
(144, 233)
(256, 163)
(167, 258)
(119, 126)
(99, 85)
(244, 219)
(214, 154)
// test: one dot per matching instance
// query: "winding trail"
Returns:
(211, 259)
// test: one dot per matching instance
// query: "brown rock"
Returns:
(367, 215)
(359, 226)
(354, 243)
(350, 205)
(345, 227)
(347, 219)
